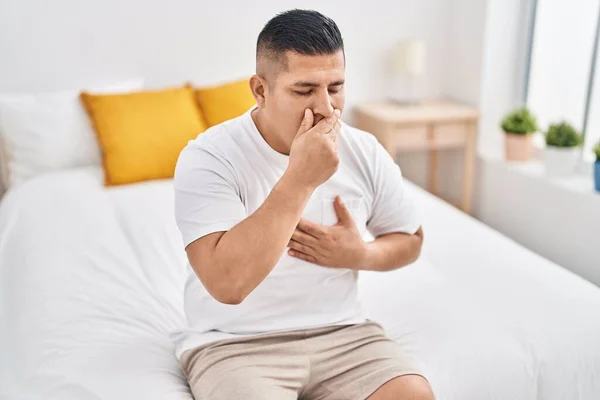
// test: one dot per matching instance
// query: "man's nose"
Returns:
(323, 107)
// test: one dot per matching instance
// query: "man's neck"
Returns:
(268, 133)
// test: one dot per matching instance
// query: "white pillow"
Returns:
(47, 132)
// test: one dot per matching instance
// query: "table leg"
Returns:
(469, 165)
(433, 167)
(389, 140)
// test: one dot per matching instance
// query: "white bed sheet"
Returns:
(91, 283)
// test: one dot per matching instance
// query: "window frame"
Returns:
(591, 77)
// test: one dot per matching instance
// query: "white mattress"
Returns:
(91, 283)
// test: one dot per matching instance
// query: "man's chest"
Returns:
(354, 190)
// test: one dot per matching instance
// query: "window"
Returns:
(562, 82)
(593, 121)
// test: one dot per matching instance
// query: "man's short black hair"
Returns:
(305, 32)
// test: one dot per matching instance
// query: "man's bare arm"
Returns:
(392, 251)
(342, 246)
(231, 264)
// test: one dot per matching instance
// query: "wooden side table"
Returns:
(430, 126)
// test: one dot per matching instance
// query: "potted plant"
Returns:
(518, 126)
(561, 154)
(597, 167)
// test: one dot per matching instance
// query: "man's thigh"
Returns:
(354, 362)
(243, 384)
(247, 369)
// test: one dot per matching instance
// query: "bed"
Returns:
(91, 284)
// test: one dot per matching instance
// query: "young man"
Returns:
(272, 207)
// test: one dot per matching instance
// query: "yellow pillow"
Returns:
(141, 134)
(221, 103)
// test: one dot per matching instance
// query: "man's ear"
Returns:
(259, 89)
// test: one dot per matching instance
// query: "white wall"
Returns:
(50, 45)
(466, 47)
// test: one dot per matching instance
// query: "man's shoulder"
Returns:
(215, 149)
(221, 141)
(366, 151)
(219, 137)
(359, 140)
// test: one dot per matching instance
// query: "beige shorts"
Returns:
(331, 363)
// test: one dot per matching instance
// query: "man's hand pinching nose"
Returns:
(313, 155)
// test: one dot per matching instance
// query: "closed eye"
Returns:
(309, 92)
(335, 88)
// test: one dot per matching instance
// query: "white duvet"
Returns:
(91, 283)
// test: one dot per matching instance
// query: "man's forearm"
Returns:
(392, 251)
(248, 252)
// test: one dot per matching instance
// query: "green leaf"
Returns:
(563, 135)
(520, 121)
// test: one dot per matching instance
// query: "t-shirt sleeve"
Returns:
(207, 197)
(393, 209)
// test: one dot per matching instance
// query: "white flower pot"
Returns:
(561, 161)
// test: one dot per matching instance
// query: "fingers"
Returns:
(307, 122)
(344, 217)
(335, 131)
(311, 228)
(304, 238)
(303, 256)
(327, 124)
(294, 245)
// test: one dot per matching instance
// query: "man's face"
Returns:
(314, 82)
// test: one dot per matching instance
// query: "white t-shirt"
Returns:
(225, 174)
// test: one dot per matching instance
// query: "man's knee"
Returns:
(415, 387)
(406, 387)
